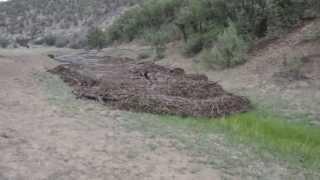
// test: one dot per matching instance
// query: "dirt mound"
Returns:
(147, 87)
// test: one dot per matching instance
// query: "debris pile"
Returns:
(148, 87)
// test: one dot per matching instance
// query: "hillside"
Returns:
(66, 21)
(170, 89)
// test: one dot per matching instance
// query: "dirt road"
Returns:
(47, 134)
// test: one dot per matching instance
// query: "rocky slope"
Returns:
(61, 21)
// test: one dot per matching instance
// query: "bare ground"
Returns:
(43, 141)
(47, 134)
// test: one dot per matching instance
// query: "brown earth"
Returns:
(47, 134)
(147, 87)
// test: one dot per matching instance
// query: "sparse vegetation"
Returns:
(312, 36)
(292, 67)
(37, 18)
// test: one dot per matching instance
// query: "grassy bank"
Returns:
(295, 142)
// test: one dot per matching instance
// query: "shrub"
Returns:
(228, 51)
(198, 22)
(197, 42)
(4, 42)
(61, 41)
(143, 55)
(51, 56)
(152, 14)
(96, 38)
(158, 40)
(78, 40)
(284, 14)
(50, 40)
(193, 45)
(23, 41)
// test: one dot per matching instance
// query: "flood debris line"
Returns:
(147, 87)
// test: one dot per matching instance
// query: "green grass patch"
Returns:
(292, 141)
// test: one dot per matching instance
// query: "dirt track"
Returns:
(45, 138)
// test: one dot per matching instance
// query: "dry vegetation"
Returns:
(56, 23)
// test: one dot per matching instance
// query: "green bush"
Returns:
(193, 45)
(158, 40)
(96, 38)
(228, 51)
(284, 14)
(151, 15)
(197, 42)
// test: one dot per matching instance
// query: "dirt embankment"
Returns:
(147, 87)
